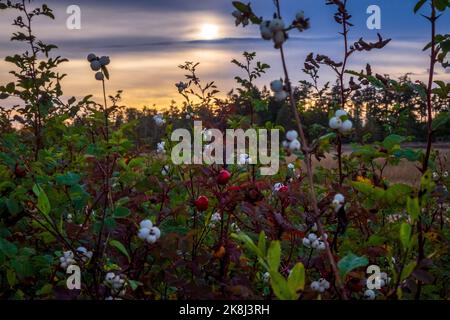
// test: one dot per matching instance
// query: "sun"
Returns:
(209, 31)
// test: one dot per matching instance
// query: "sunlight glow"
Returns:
(209, 31)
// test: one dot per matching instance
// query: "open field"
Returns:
(405, 172)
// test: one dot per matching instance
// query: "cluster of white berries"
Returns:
(116, 283)
(165, 170)
(277, 187)
(314, 242)
(235, 227)
(244, 159)
(67, 259)
(159, 120)
(148, 232)
(181, 86)
(384, 279)
(69, 218)
(241, 18)
(277, 87)
(291, 166)
(338, 202)
(274, 30)
(84, 253)
(160, 147)
(320, 286)
(266, 277)
(189, 115)
(337, 123)
(370, 294)
(97, 63)
(215, 218)
(437, 177)
(292, 143)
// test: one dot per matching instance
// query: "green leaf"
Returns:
(121, 212)
(45, 290)
(328, 136)
(43, 203)
(105, 72)
(419, 5)
(68, 179)
(134, 284)
(262, 242)
(10, 87)
(274, 255)
(248, 242)
(441, 5)
(393, 140)
(260, 105)
(440, 120)
(13, 206)
(351, 262)
(409, 154)
(405, 235)
(7, 248)
(407, 270)
(11, 277)
(119, 246)
(242, 7)
(296, 279)
(397, 194)
(413, 207)
(279, 286)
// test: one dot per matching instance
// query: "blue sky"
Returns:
(147, 40)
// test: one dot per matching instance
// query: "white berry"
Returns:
(96, 65)
(91, 57)
(346, 126)
(339, 197)
(155, 232)
(291, 135)
(276, 25)
(295, 145)
(315, 285)
(266, 33)
(99, 76)
(312, 237)
(369, 294)
(143, 233)
(276, 86)
(279, 38)
(280, 96)
(335, 123)
(146, 224)
(306, 242)
(151, 239)
(340, 113)
(104, 61)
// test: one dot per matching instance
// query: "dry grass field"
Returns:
(405, 172)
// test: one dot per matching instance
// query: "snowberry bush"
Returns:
(84, 183)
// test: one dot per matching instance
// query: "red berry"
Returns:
(202, 203)
(20, 171)
(283, 189)
(223, 177)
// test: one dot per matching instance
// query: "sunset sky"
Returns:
(147, 40)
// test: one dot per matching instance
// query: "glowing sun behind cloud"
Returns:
(209, 31)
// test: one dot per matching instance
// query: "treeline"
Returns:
(376, 113)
